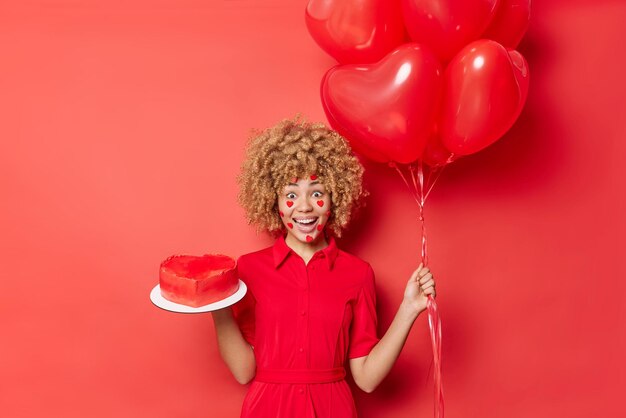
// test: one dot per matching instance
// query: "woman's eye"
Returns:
(291, 196)
(317, 194)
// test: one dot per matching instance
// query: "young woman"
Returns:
(310, 307)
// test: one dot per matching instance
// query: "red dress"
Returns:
(304, 321)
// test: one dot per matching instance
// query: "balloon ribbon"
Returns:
(423, 179)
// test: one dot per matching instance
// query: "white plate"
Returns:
(161, 302)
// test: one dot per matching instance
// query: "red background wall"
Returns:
(122, 126)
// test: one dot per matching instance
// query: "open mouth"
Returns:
(306, 224)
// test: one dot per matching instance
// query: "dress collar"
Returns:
(281, 250)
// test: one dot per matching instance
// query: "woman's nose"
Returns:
(305, 205)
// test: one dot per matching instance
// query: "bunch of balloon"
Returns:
(419, 84)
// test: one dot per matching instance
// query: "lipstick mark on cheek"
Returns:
(282, 215)
(289, 203)
(290, 225)
(320, 203)
(320, 227)
(309, 238)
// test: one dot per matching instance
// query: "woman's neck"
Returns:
(306, 249)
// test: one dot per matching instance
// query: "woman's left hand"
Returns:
(420, 285)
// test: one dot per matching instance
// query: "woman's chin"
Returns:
(307, 237)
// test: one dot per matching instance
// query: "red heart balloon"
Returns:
(509, 23)
(446, 26)
(354, 31)
(385, 110)
(486, 88)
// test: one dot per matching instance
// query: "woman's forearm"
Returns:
(234, 349)
(384, 354)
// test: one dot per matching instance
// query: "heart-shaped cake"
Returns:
(197, 281)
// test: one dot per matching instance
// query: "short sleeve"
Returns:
(243, 311)
(363, 336)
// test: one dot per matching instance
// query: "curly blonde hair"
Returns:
(294, 148)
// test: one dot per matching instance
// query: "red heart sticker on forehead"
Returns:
(313, 177)
(294, 180)
(320, 203)
(289, 203)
